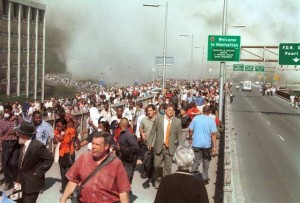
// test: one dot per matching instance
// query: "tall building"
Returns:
(22, 48)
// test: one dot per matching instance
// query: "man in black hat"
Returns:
(34, 161)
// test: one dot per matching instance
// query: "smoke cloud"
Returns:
(118, 40)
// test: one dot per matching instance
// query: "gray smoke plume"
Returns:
(118, 40)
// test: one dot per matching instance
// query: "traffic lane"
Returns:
(281, 115)
(258, 159)
(264, 156)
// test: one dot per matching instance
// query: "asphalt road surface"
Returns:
(267, 139)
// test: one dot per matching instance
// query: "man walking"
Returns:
(114, 185)
(10, 147)
(34, 161)
(165, 135)
(145, 129)
(128, 147)
(203, 130)
(44, 130)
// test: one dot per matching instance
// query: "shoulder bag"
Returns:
(76, 193)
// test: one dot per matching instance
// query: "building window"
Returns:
(33, 14)
(41, 16)
(5, 8)
(15, 11)
(25, 13)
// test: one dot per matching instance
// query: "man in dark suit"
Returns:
(164, 138)
(34, 161)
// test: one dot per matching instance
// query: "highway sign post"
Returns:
(289, 54)
(238, 67)
(223, 48)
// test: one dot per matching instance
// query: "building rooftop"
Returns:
(30, 3)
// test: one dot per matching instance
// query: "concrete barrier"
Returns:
(227, 189)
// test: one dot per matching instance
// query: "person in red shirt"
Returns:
(65, 138)
(110, 184)
(193, 110)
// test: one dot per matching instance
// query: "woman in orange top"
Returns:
(65, 138)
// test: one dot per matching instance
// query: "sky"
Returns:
(118, 40)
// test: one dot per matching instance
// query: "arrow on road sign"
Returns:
(296, 59)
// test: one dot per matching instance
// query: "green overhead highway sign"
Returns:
(289, 54)
(238, 67)
(259, 68)
(249, 67)
(223, 48)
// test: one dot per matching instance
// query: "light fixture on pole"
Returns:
(191, 62)
(234, 26)
(165, 42)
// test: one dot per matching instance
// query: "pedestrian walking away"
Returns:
(128, 148)
(203, 130)
(182, 186)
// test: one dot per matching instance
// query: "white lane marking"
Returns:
(268, 122)
(281, 137)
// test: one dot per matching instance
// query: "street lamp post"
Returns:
(222, 65)
(202, 62)
(191, 62)
(165, 42)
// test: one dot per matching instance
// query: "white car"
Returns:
(246, 86)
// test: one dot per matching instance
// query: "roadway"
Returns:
(267, 139)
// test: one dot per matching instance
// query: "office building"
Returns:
(22, 48)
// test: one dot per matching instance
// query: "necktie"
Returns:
(168, 132)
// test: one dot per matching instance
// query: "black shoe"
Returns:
(8, 186)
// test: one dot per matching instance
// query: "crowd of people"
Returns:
(180, 122)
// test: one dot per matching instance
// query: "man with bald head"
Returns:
(128, 148)
(203, 130)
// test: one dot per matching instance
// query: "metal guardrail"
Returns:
(83, 116)
(228, 188)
